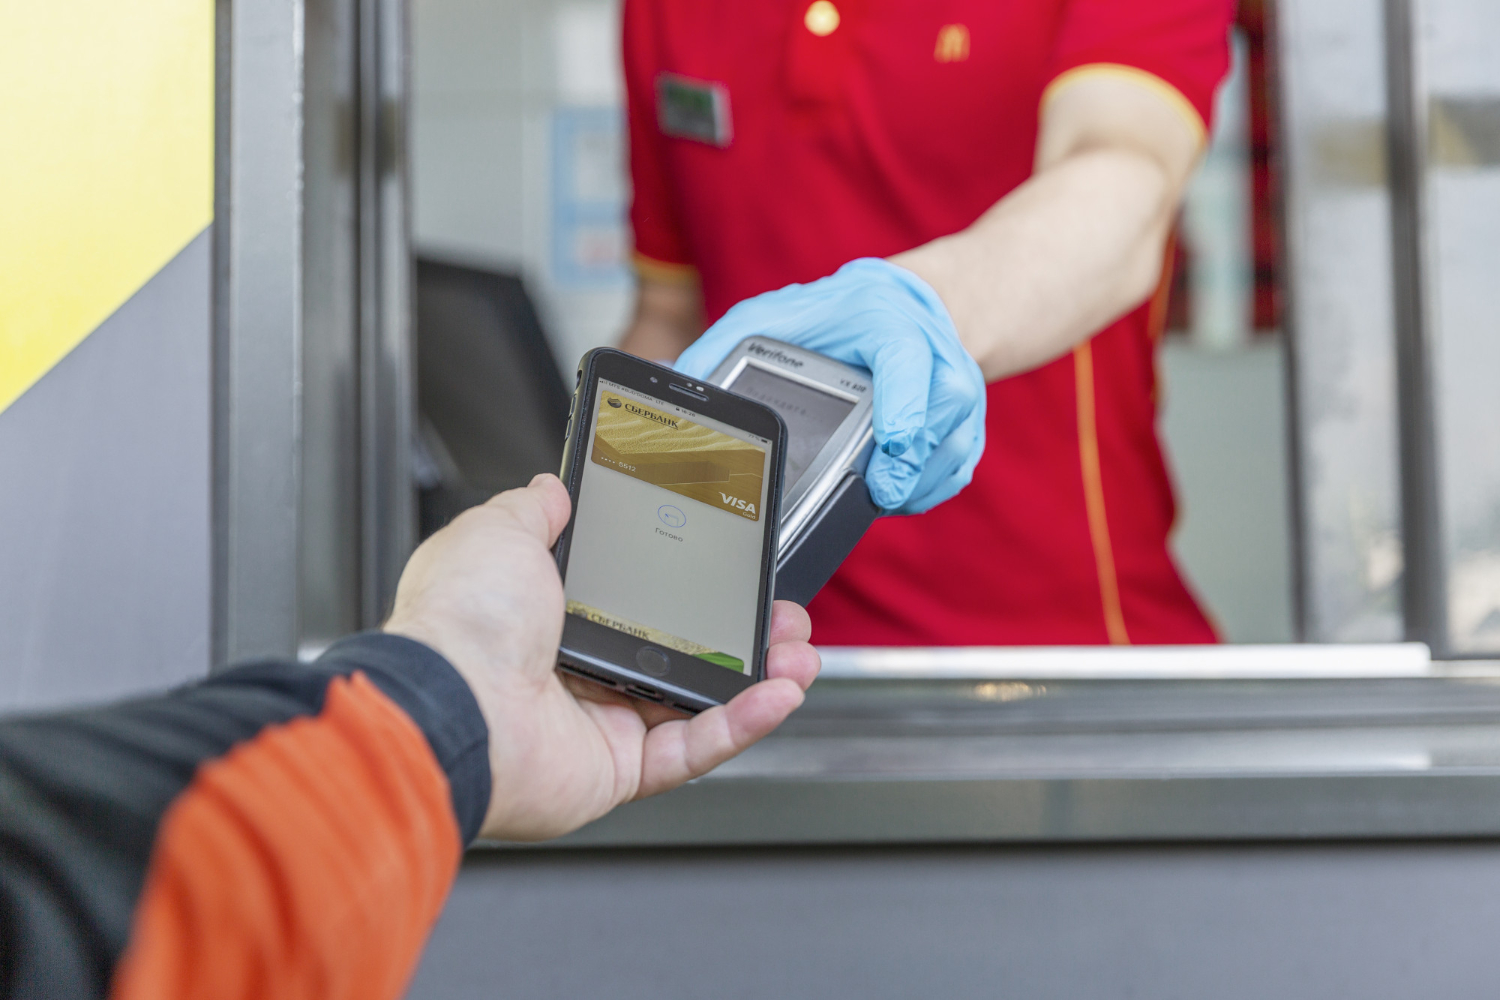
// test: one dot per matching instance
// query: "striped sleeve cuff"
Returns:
(435, 697)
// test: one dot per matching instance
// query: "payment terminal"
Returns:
(827, 408)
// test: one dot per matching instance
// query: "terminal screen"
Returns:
(668, 532)
(811, 415)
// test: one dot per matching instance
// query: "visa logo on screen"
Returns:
(748, 508)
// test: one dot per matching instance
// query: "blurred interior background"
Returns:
(517, 169)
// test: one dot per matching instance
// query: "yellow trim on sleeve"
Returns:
(1150, 81)
(651, 269)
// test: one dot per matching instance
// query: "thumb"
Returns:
(893, 478)
(901, 371)
(540, 508)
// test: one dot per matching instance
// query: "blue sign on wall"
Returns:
(590, 234)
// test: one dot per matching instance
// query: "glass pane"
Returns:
(1338, 266)
(1457, 56)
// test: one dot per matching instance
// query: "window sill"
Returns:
(996, 758)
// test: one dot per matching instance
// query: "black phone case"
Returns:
(625, 663)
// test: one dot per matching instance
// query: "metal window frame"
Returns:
(311, 355)
(1429, 274)
(1424, 583)
(991, 749)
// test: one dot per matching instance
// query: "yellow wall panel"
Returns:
(106, 163)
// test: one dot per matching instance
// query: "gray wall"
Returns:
(1229, 923)
(104, 504)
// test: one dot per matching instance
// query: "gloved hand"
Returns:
(929, 393)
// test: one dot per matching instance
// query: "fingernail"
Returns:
(896, 445)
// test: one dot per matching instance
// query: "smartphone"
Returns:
(669, 559)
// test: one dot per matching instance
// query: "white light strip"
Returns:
(1403, 659)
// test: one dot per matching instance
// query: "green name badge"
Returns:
(693, 109)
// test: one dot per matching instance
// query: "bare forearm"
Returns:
(668, 317)
(1082, 241)
(1071, 249)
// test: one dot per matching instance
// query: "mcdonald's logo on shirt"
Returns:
(952, 44)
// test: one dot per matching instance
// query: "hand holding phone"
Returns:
(485, 593)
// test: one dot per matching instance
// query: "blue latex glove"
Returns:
(929, 393)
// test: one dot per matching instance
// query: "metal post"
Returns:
(386, 357)
(258, 328)
(313, 506)
(1424, 584)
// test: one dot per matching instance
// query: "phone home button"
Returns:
(653, 661)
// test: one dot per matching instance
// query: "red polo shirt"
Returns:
(903, 122)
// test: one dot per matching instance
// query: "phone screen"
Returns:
(667, 530)
(812, 416)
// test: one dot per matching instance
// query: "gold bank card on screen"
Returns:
(666, 450)
(657, 636)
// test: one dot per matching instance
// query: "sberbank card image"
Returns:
(656, 635)
(670, 451)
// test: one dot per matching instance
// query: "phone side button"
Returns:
(653, 661)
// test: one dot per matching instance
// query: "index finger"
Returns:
(789, 623)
